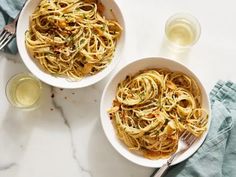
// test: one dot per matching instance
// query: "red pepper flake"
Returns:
(52, 96)
(61, 89)
(110, 115)
(51, 109)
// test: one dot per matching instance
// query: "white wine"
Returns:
(27, 92)
(24, 91)
(182, 30)
(181, 33)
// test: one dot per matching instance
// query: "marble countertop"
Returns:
(64, 137)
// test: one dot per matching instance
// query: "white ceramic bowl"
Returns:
(33, 66)
(109, 95)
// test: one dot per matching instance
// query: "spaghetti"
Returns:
(153, 108)
(72, 37)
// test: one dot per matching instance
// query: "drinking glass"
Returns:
(23, 91)
(182, 31)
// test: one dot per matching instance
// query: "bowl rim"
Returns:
(66, 82)
(146, 161)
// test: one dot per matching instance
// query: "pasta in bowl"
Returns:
(70, 44)
(148, 104)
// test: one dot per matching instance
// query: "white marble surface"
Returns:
(64, 138)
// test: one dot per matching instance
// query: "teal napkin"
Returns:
(8, 11)
(217, 156)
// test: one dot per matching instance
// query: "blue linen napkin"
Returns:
(8, 11)
(217, 156)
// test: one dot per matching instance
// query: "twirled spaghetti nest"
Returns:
(153, 108)
(72, 37)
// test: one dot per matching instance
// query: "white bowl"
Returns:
(33, 66)
(109, 95)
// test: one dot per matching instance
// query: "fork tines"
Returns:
(5, 38)
(188, 137)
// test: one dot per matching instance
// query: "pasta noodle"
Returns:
(153, 108)
(72, 37)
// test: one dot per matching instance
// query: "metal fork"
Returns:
(186, 140)
(9, 31)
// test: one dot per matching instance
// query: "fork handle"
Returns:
(161, 171)
(182, 148)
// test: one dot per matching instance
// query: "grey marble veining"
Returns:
(67, 124)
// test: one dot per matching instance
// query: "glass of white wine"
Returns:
(23, 91)
(182, 30)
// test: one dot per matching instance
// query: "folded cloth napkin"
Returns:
(217, 156)
(8, 11)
